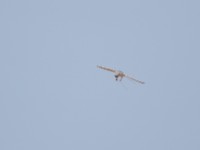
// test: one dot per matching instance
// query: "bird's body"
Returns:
(119, 74)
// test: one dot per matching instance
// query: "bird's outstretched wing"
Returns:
(134, 79)
(105, 68)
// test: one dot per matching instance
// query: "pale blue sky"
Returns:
(52, 96)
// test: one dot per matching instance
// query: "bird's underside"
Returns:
(119, 74)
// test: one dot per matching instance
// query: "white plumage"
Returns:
(119, 74)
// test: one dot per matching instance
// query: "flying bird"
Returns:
(119, 74)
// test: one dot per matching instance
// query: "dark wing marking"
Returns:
(105, 68)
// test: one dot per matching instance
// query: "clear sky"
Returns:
(52, 96)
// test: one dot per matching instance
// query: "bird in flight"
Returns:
(119, 74)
